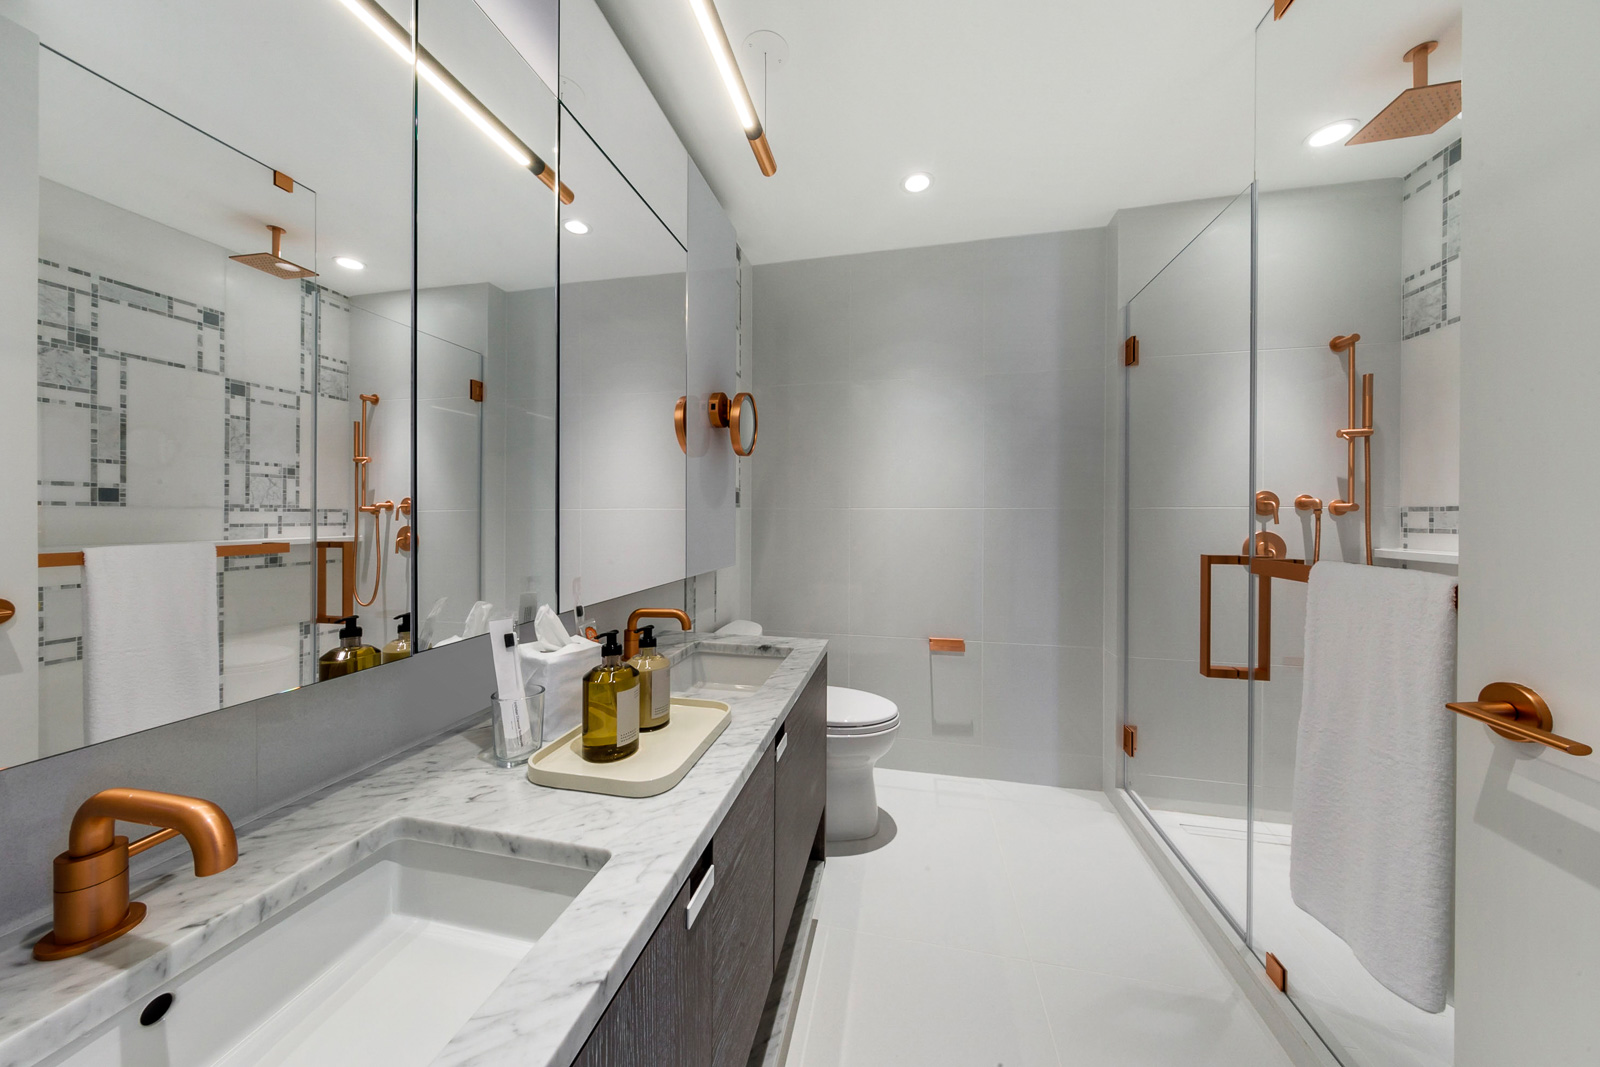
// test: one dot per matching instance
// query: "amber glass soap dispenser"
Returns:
(655, 682)
(400, 647)
(350, 656)
(610, 706)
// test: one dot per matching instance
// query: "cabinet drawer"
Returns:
(801, 793)
(659, 1014)
(739, 919)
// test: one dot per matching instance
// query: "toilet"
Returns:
(861, 727)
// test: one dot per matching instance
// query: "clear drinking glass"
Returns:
(518, 726)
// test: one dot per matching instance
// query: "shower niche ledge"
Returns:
(1417, 555)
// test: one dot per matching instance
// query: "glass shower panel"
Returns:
(1188, 485)
(1353, 239)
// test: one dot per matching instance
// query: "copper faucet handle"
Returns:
(1267, 504)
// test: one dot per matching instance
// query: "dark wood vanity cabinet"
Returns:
(657, 1016)
(696, 994)
(739, 919)
(800, 794)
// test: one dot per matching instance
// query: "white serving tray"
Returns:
(664, 755)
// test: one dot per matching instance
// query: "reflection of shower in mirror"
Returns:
(378, 508)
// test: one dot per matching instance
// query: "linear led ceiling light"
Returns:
(705, 12)
(398, 38)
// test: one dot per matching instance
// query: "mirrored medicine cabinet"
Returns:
(340, 311)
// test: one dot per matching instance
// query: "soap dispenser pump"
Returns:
(610, 706)
(400, 647)
(655, 682)
(350, 656)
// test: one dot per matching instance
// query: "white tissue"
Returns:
(548, 629)
(477, 619)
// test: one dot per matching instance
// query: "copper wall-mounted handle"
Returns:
(680, 423)
(7, 611)
(1263, 670)
(1267, 504)
(1517, 713)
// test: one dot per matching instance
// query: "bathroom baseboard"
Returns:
(1297, 1036)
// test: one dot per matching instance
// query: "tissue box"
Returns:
(561, 673)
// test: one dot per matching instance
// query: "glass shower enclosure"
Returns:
(1241, 391)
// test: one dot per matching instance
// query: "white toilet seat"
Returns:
(854, 709)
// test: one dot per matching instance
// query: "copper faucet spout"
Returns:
(204, 825)
(91, 877)
(630, 636)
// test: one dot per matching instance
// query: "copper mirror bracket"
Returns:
(717, 408)
(743, 409)
(680, 423)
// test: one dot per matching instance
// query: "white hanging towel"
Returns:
(150, 636)
(1373, 853)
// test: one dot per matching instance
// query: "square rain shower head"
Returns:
(276, 266)
(1413, 113)
(1418, 111)
(271, 262)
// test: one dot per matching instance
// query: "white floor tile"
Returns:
(940, 880)
(995, 907)
(1099, 1021)
(878, 1001)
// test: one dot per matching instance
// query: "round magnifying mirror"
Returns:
(742, 425)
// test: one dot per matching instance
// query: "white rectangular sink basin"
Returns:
(704, 674)
(381, 966)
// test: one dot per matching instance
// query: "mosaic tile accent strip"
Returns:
(90, 328)
(1431, 297)
(1422, 522)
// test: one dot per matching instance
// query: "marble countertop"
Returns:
(445, 791)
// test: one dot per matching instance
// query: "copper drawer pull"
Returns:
(1517, 713)
(1263, 671)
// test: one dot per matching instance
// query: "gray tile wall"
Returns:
(930, 466)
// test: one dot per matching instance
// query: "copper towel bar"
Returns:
(265, 548)
(1518, 713)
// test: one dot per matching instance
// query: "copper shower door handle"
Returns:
(1517, 713)
(1263, 671)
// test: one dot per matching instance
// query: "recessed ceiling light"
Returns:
(577, 226)
(1332, 132)
(349, 263)
(917, 183)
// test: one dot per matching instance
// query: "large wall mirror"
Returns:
(623, 353)
(286, 352)
(296, 348)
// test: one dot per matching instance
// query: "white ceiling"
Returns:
(1032, 115)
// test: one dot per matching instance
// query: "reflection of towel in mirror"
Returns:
(150, 636)
(1373, 853)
